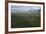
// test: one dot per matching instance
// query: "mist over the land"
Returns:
(24, 9)
(25, 16)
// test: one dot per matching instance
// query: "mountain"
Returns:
(19, 12)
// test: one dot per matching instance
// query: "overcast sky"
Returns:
(24, 8)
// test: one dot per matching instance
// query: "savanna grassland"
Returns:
(21, 20)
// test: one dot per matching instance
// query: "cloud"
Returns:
(24, 8)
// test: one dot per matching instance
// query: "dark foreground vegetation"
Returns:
(25, 20)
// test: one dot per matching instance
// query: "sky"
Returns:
(23, 8)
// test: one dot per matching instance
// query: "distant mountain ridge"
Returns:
(21, 12)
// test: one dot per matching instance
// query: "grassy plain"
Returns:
(21, 20)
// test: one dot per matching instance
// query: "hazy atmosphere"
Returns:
(24, 9)
(25, 16)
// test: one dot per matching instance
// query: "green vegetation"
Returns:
(21, 21)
